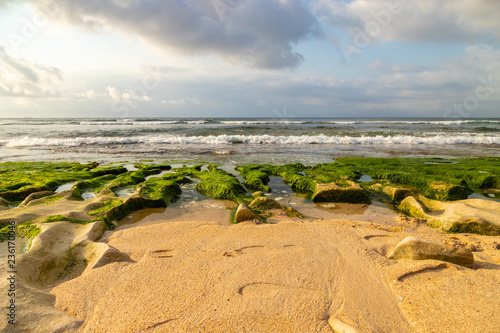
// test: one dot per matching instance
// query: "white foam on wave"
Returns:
(196, 122)
(258, 139)
(416, 122)
(129, 122)
(260, 122)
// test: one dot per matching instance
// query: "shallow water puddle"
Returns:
(365, 179)
(65, 187)
(87, 195)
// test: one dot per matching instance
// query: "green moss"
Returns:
(18, 180)
(107, 206)
(298, 182)
(52, 199)
(474, 227)
(26, 230)
(60, 218)
(219, 184)
(108, 170)
(255, 179)
(164, 188)
(461, 175)
(331, 172)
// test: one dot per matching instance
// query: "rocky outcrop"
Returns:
(264, 204)
(477, 216)
(420, 249)
(258, 194)
(36, 195)
(348, 192)
(444, 191)
(395, 193)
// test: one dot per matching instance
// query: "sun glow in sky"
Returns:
(250, 58)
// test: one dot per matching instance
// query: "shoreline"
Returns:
(295, 264)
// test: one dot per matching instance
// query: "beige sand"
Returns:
(309, 276)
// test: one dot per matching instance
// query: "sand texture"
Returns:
(294, 276)
(288, 277)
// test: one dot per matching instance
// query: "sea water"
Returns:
(243, 141)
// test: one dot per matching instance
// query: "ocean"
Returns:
(242, 141)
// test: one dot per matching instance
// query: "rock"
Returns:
(4, 204)
(352, 193)
(258, 194)
(243, 213)
(413, 208)
(421, 249)
(476, 216)
(34, 196)
(21, 194)
(264, 204)
(396, 193)
(445, 191)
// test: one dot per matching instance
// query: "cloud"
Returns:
(444, 21)
(22, 78)
(128, 95)
(257, 33)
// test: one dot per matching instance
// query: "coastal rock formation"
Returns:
(472, 215)
(348, 192)
(258, 194)
(445, 191)
(4, 204)
(420, 249)
(264, 204)
(34, 196)
(243, 213)
(395, 193)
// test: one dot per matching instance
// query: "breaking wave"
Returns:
(258, 139)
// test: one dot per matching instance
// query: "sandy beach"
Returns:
(145, 262)
(294, 276)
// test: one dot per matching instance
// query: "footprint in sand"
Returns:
(160, 254)
(255, 249)
(268, 290)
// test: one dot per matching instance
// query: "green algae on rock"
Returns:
(465, 216)
(264, 204)
(396, 193)
(215, 183)
(348, 192)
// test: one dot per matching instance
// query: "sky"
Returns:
(249, 58)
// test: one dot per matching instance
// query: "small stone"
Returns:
(243, 213)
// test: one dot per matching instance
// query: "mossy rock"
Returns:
(257, 180)
(243, 213)
(412, 207)
(395, 193)
(26, 230)
(36, 195)
(444, 191)
(347, 193)
(458, 224)
(219, 184)
(264, 204)
(298, 182)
